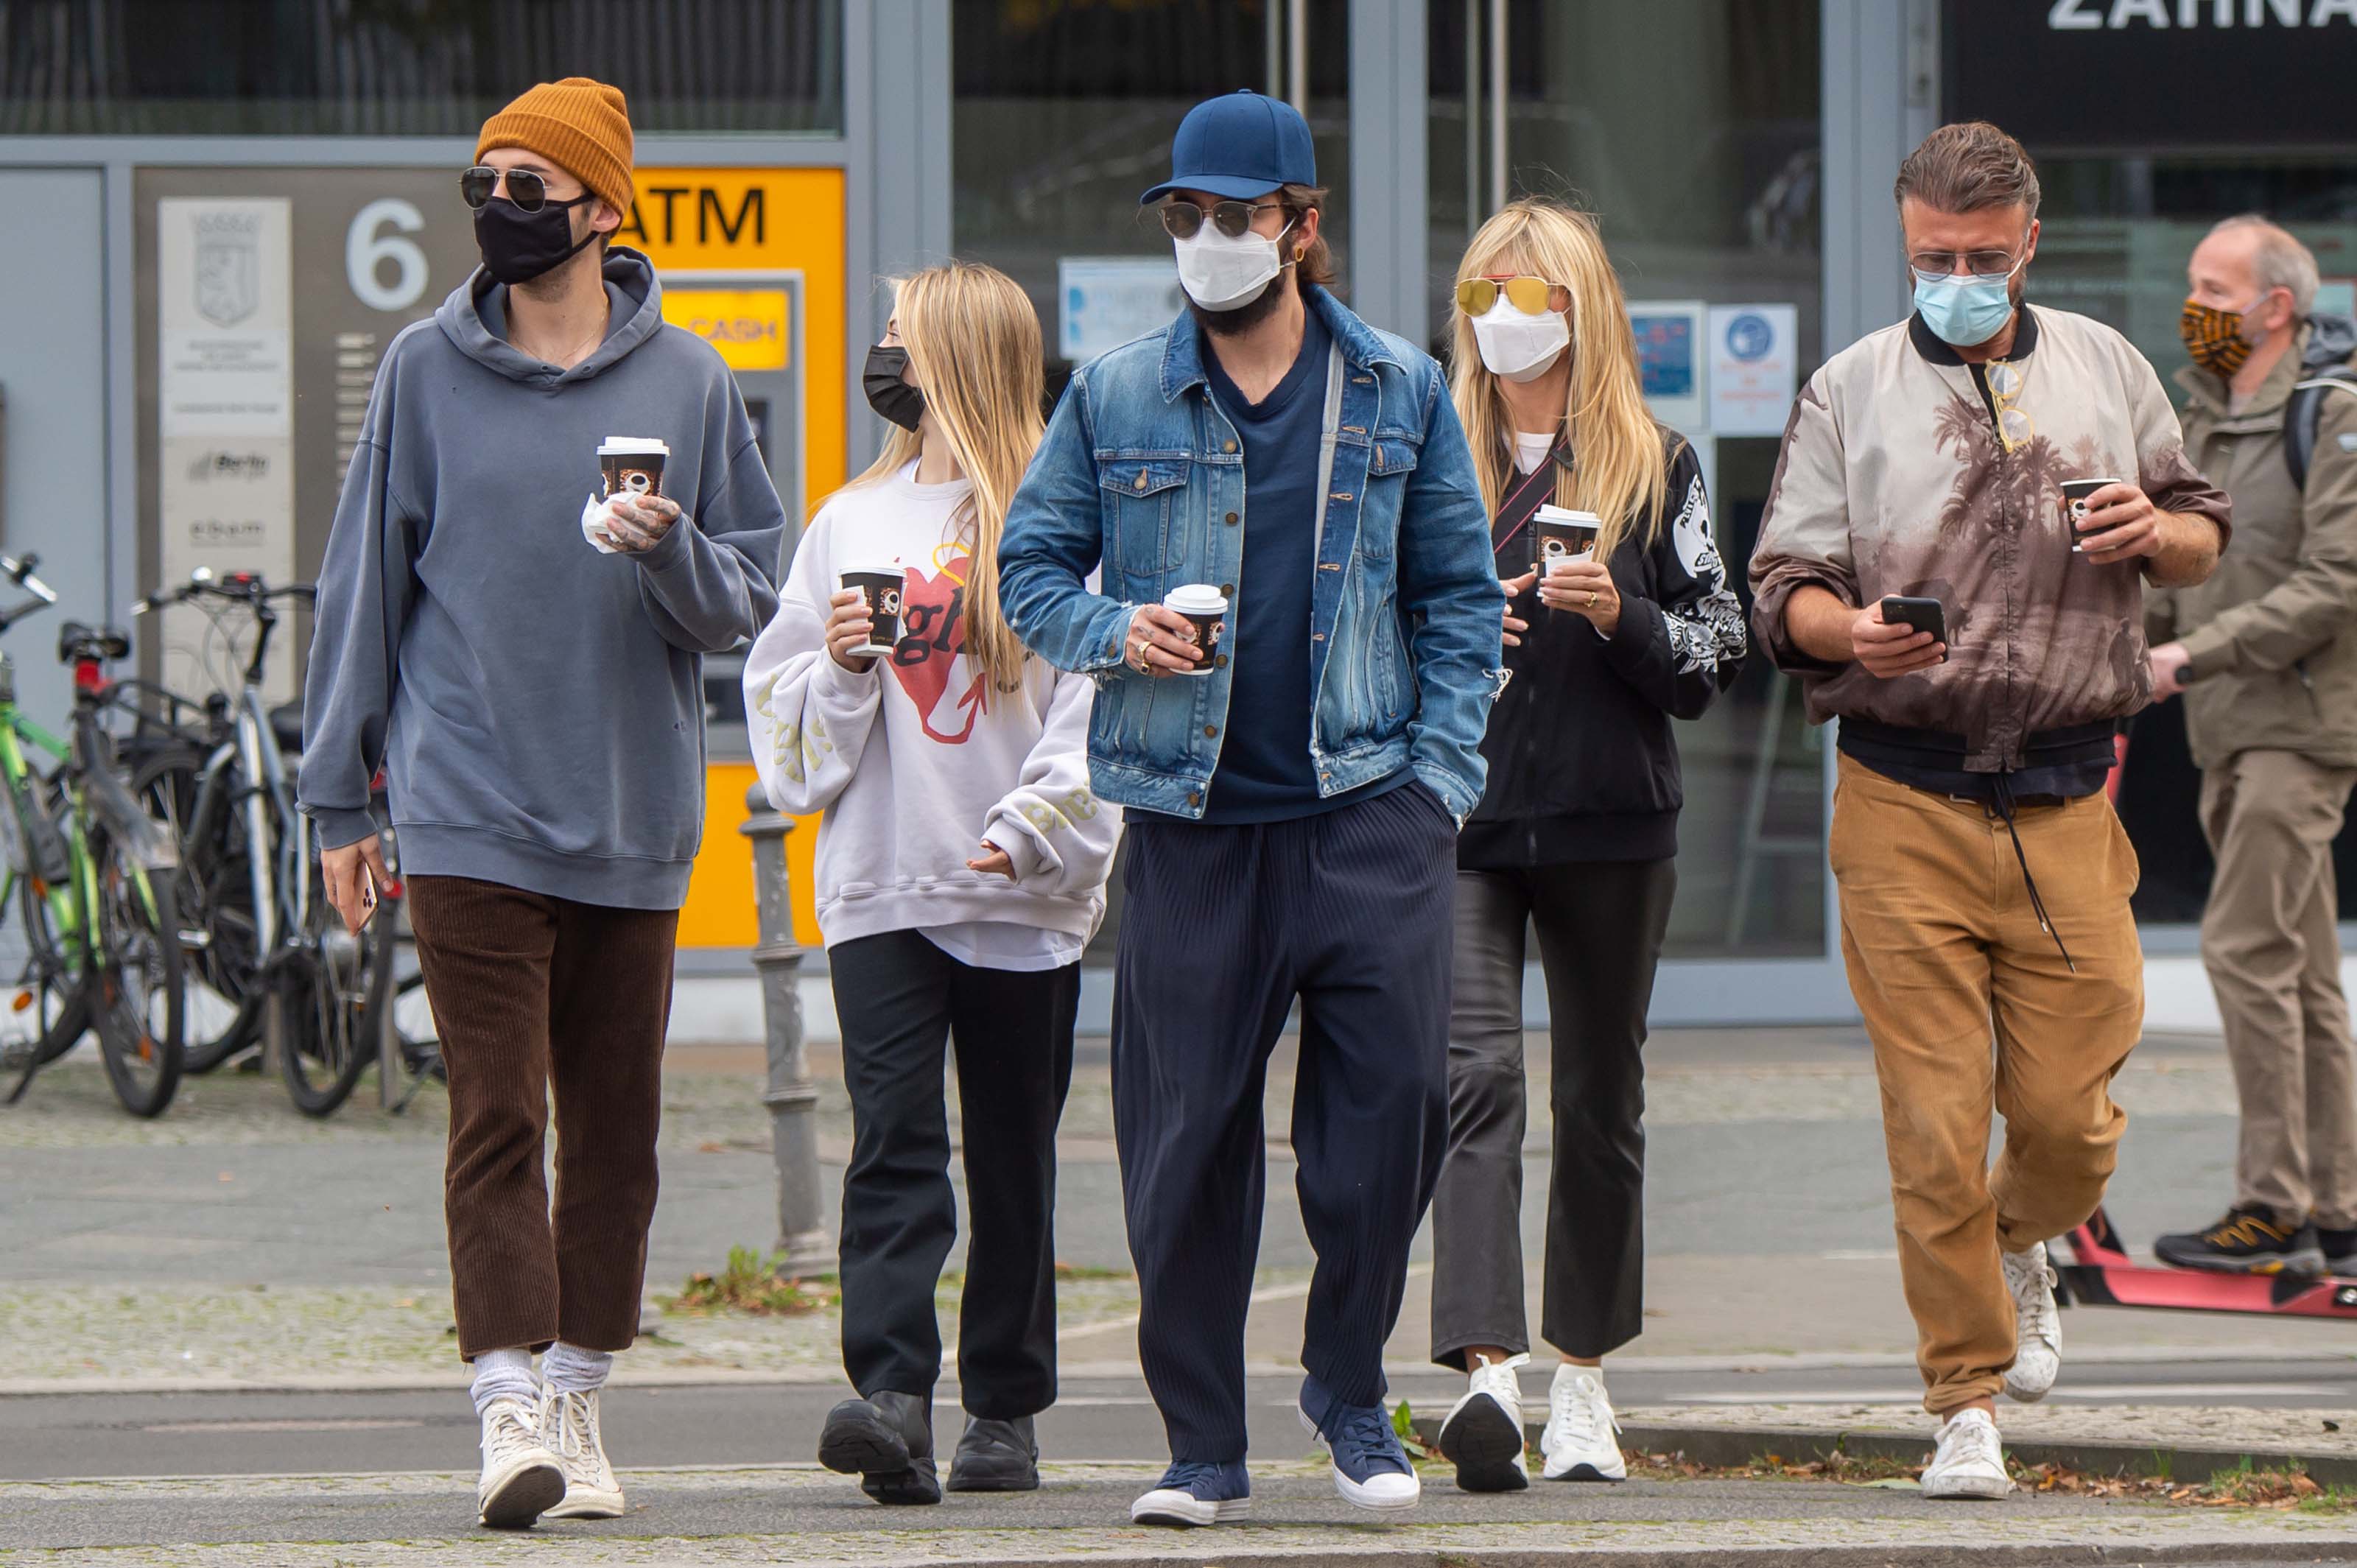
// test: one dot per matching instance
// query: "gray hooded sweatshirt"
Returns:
(538, 707)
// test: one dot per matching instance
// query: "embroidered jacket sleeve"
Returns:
(1684, 648)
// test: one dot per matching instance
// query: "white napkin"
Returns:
(593, 524)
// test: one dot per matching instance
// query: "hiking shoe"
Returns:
(887, 1442)
(996, 1456)
(1482, 1435)
(1582, 1440)
(2247, 1241)
(1194, 1492)
(2339, 1248)
(1970, 1461)
(521, 1479)
(568, 1426)
(2037, 1326)
(1371, 1469)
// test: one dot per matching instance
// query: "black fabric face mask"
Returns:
(518, 246)
(887, 394)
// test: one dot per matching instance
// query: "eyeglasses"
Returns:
(528, 190)
(1532, 297)
(1184, 219)
(1985, 266)
(2014, 428)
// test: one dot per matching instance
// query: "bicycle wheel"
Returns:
(53, 965)
(214, 897)
(136, 986)
(327, 989)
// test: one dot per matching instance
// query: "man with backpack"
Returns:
(2266, 653)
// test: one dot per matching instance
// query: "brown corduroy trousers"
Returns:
(537, 997)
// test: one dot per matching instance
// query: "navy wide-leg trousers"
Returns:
(1222, 927)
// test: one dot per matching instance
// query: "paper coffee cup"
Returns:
(1560, 536)
(1206, 609)
(633, 465)
(2074, 503)
(881, 587)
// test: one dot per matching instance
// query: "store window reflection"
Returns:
(1690, 128)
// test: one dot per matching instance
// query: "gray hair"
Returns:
(2280, 262)
(1968, 168)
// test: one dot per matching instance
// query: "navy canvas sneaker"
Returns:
(1195, 1492)
(1371, 1469)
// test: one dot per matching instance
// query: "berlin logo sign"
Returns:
(228, 267)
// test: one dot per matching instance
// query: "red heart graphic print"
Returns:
(932, 636)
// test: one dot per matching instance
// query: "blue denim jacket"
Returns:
(1141, 475)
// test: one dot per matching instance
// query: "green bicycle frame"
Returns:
(66, 903)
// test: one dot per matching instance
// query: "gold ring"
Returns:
(1591, 598)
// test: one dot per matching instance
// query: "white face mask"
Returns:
(1519, 346)
(1220, 274)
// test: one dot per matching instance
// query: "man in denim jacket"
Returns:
(1293, 791)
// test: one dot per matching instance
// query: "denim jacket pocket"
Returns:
(1142, 498)
(1391, 458)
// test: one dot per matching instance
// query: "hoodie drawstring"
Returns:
(2002, 809)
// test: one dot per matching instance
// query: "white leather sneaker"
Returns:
(1482, 1435)
(1970, 1461)
(2037, 1326)
(569, 1427)
(1582, 1441)
(521, 1479)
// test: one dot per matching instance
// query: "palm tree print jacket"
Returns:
(1907, 472)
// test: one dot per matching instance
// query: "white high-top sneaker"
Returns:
(569, 1426)
(1970, 1461)
(521, 1479)
(2037, 1326)
(1483, 1434)
(1582, 1439)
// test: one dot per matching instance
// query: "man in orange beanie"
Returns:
(527, 667)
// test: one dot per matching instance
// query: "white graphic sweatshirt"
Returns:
(915, 761)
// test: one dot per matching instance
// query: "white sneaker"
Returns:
(521, 1479)
(1483, 1434)
(2037, 1326)
(1970, 1462)
(1582, 1440)
(569, 1426)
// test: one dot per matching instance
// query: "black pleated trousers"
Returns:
(1223, 928)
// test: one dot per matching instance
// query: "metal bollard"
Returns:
(791, 1097)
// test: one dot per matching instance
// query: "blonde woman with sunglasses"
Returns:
(961, 865)
(1575, 834)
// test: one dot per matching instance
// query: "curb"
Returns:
(1733, 1446)
(1935, 1555)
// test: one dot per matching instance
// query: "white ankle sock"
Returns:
(504, 1374)
(570, 1369)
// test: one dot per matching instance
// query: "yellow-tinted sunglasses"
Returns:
(1532, 297)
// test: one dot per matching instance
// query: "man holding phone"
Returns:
(1919, 572)
(538, 707)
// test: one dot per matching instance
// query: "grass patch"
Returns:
(2244, 1487)
(753, 1283)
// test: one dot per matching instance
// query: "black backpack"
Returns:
(2323, 369)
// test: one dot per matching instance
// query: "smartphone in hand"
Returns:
(1923, 615)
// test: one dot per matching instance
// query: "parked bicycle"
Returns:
(263, 936)
(93, 877)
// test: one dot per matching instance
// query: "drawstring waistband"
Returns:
(2002, 808)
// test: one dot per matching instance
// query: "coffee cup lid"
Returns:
(619, 445)
(1197, 599)
(886, 569)
(1552, 513)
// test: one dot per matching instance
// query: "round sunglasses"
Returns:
(528, 190)
(1532, 297)
(1184, 219)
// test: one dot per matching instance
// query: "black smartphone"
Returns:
(1923, 615)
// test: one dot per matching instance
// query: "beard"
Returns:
(1237, 320)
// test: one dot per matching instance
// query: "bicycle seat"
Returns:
(286, 724)
(77, 642)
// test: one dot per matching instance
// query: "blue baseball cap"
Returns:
(1241, 145)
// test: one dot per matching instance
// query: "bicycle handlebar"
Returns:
(242, 587)
(20, 572)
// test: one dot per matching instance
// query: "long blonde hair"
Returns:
(1619, 473)
(973, 349)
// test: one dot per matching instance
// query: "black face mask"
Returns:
(518, 246)
(887, 394)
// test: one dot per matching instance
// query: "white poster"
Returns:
(225, 405)
(1104, 301)
(1754, 360)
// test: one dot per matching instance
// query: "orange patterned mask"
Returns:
(2213, 337)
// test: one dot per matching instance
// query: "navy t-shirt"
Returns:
(1265, 772)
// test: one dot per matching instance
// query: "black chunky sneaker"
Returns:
(2246, 1241)
(887, 1442)
(995, 1456)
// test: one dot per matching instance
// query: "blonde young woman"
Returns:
(961, 869)
(1575, 834)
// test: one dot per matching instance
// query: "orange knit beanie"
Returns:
(581, 125)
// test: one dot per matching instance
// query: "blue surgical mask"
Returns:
(1965, 310)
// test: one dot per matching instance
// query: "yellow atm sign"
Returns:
(751, 327)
